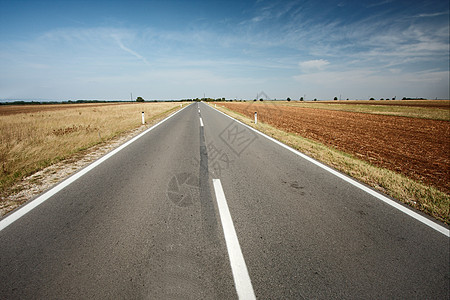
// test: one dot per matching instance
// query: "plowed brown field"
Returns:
(417, 148)
(412, 103)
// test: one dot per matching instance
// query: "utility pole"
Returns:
(131, 97)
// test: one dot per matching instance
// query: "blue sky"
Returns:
(63, 50)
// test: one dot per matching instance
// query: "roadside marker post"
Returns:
(256, 118)
(143, 119)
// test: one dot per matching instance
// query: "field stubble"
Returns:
(426, 109)
(45, 135)
(407, 158)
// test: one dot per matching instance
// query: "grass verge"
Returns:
(417, 195)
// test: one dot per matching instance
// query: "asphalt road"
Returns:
(147, 223)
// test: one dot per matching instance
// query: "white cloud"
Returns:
(431, 15)
(257, 19)
(314, 65)
(379, 3)
(361, 84)
(395, 71)
(135, 54)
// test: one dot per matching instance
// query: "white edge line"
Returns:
(14, 216)
(352, 181)
(241, 277)
(201, 122)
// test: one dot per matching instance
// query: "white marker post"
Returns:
(143, 119)
(256, 118)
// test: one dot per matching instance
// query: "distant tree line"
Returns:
(405, 98)
(206, 100)
(140, 99)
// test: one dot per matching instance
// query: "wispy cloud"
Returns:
(379, 3)
(122, 46)
(313, 65)
(432, 15)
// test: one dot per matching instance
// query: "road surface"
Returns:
(202, 207)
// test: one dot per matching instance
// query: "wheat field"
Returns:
(36, 138)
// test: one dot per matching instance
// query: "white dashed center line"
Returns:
(241, 277)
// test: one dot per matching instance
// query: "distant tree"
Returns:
(261, 99)
(288, 99)
(335, 98)
(140, 99)
(393, 98)
(382, 99)
(254, 99)
(315, 99)
(372, 99)
(301, 98)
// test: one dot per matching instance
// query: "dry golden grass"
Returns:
(425, 198)
(32, 141)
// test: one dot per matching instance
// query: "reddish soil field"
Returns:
(417, 148)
